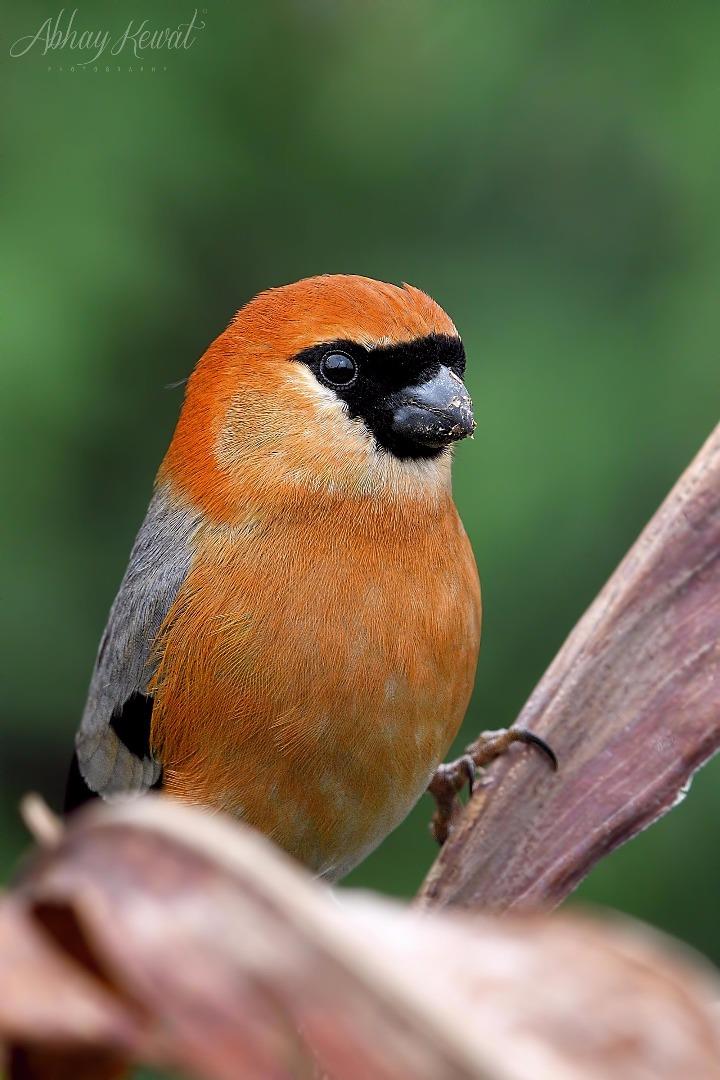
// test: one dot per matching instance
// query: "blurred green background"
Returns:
(548, 172)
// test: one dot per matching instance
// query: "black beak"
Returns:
(436, 413)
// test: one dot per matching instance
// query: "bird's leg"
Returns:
(449, 779)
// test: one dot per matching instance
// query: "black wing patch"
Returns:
(131, 724)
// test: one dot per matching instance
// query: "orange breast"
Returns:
(314, 670)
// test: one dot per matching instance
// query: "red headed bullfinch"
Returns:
(296, 635)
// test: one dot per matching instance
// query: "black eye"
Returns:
(338, 369)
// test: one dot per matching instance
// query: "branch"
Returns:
(630, 705)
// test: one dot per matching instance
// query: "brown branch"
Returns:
(630, 705)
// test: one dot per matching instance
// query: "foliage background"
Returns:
(549, 172)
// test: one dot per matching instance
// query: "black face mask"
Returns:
(411, 397)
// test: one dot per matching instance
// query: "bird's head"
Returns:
(338, 383)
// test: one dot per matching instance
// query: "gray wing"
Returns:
(110, 756)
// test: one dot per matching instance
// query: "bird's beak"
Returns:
(436, 413)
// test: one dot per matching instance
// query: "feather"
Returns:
(113, 752)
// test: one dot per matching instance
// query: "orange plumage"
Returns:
(318, 654)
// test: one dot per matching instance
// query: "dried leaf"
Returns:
(56, 1012)
(242, 966)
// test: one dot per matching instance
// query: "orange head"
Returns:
(338, 385)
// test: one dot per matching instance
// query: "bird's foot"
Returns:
(450, 778)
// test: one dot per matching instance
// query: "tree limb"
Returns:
(631, 706)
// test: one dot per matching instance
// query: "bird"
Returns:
(295, 639)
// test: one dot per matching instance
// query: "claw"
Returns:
(529, 737)
(470, 768)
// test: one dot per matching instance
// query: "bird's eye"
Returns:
(338, 369)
